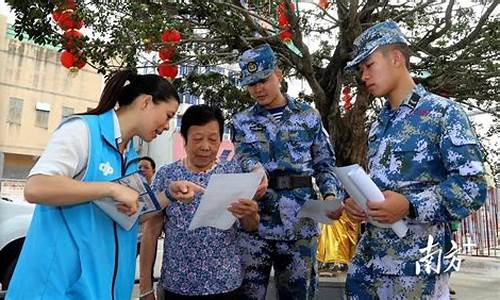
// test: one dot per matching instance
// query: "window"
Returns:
(67, 111)
(42, 119)
(42, 114)
(15, 111)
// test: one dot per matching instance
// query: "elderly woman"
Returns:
(205, 262)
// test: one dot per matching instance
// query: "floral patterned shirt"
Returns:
(203, 261)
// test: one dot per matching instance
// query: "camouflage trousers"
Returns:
(375, 286)
(294, 263)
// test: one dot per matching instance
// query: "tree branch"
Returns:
(434, 34)
(474, 34)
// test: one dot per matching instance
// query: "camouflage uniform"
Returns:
(426, 150)
(296, 145)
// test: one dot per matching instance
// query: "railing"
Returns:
(480, 232)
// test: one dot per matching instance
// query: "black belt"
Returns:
(289, 182)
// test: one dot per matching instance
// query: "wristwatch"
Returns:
(412, 211)
(328, 195)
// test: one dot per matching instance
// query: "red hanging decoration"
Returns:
(71, 40)
(347, 98)
(286, 35)
(171, 36)
(283, 21)
(72, 61)
(323, 4)
(56, 14)
(282, 8)
(80, 62)
(168, 70)
(68, 20)
(166, 53)
(66, 5)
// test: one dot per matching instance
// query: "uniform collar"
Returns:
(410, 100)
(291, 104)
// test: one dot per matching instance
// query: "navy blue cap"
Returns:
(366, 43)
(257, 64)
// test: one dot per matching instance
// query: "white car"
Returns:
(15, 219)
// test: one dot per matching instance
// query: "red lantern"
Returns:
(168, 70)
(166, 53)
(68, 20)
(72, 61)
(66, 5)
(283, 21)
(286, 35)
(80, 62)
(56, 14)
(347, 98)
(171, 35)
(323, 4)
(72, 39)
(282, 8)
(175, 36)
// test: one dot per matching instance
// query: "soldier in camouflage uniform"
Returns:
(424, 155)
(287, 138)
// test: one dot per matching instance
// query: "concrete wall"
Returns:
(34, 74)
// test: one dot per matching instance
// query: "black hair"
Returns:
(197, 115)
(404, 49)
(151, 161)
(117, 90)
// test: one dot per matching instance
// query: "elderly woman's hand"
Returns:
(184, 190)
(247, 211)
(243, 208)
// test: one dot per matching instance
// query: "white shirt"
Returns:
(68, 150)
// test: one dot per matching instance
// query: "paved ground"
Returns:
(478, 278)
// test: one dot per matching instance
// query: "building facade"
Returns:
(36, 92)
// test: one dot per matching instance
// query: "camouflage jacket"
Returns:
(296, 145)
(427, 151)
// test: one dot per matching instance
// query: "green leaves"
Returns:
(456, 46)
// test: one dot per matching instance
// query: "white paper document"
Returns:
(222, 190)
(361, 188)
(317, 210)
(148, 202)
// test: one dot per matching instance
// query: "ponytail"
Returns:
(118, 91)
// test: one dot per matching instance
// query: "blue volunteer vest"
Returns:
(77, 251)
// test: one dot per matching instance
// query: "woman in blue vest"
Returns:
(73, 250)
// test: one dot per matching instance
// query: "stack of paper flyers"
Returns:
(148, 201)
